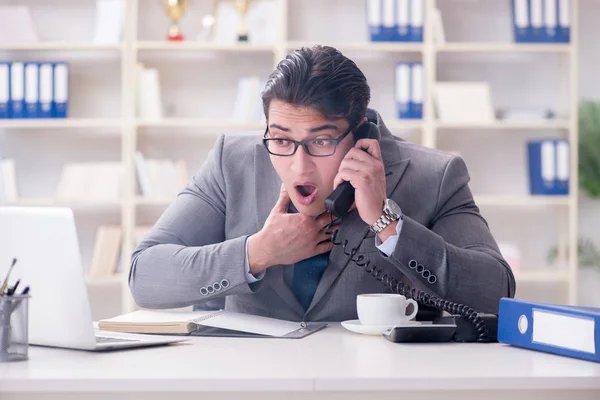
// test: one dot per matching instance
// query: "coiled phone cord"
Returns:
(421, 297)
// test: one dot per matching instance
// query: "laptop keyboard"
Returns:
(106, 339)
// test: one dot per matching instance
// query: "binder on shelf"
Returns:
(4, 90)
(520, 15)
(549, 171)
(46, 82)
(569, 331)
(388, 18)
(17, 90)
(416, 21)
(31, 90)
(537, 24)
(374, 20)
(61, 90)
(550, 21)
(563, 33)
(416, 91)
(402, 90)
(402, 20)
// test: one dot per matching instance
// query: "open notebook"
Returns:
(207, 323)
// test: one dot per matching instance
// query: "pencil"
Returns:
(5, 281)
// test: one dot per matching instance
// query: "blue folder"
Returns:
(569, 331)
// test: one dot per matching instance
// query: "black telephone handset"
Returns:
(470, 325)
(340, 200)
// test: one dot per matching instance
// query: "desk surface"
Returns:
(330, 360)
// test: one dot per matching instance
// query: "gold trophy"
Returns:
(242, 7)
(175, 10)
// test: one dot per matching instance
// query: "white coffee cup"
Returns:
(384, 309)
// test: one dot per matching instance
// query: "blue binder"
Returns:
(550, 21)
(4, 90)
(61, 90)
(402, 21)
(17, 90)
(32, 89)
(548, 162)
(563, 33)
(558, 329)
(521, 21)
(375, 19)
(416, 21)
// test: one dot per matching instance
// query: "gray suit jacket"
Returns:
(195, 253)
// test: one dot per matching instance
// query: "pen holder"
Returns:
(13, 328)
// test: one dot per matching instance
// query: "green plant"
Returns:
(587, 252)
(589, 147)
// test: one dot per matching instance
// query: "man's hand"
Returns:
(365, 171)
(287, 238)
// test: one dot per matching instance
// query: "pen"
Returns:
(13, 289)
(25, 291)
(5, 282)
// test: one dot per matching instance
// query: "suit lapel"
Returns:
(353, 229)
(267, 185)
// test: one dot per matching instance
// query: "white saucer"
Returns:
(355, 326)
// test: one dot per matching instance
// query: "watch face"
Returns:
(393, 208)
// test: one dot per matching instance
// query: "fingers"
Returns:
(370, 145)
(282, 202)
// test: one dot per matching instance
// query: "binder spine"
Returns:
(374, 20)
(563, 330)
(537, 24)
(416, 20)
(31, 90)
(61, 90)
(389, 20)
(550, 21)
(402, 21)
(402, 90)
(521, 24)
(416, 98)
(17, 90)
(564, 23)
(4, 90)
(46, 83)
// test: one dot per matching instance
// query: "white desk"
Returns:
(330, 364)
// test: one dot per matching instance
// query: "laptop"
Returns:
(44, 241)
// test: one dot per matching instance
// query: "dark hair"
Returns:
(320, 77)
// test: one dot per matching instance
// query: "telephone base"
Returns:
(465, 331)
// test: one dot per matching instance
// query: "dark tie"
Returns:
(307, 274)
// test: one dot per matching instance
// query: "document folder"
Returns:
(558, 329)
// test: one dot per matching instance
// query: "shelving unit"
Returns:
(376, 59)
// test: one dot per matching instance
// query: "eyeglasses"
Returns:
(314, 147)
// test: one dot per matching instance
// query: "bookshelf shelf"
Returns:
(203, 46)
(474, 47)
(53, 46)
(542, 275)
(200, 124)
(58, 123)
(369, 47)
(522, 201)
(508, 125)
(76, 205)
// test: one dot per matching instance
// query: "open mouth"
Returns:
(306, 193)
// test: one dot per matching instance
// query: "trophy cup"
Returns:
(242, 7)
(175, 10)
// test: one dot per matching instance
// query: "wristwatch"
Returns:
(391, 213)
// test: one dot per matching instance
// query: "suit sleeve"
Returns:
(185, 258)
(456, 256)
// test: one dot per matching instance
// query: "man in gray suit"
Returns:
(251, 229)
